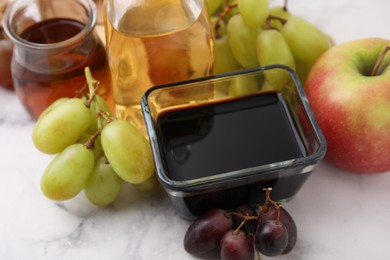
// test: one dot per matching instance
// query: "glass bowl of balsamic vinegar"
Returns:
(219, 141)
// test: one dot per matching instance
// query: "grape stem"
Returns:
(262, 209)
(379, 62)
(268, 200)
(90, 80)
(245, 219)
(227, 8)
(105, 117)
(82, 92)
(92, 85)
(258, 255)
(240, 226)
(273, 17)
(90, 144)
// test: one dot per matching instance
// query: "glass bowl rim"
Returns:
(87, 29)
(305, 163)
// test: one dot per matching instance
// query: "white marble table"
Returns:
(339, 215)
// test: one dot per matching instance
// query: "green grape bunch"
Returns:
(251, 33)
(94, 151)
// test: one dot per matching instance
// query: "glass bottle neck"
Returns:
(151, 18)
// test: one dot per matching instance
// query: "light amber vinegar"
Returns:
(155, 43)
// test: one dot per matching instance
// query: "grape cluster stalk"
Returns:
(244, 233)
(249, 33)
(94, 151)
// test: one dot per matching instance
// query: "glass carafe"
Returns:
(5, 51)
(53, 41)
(153, 42)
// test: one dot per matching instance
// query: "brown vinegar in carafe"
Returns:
(152, 43)
(51, 76)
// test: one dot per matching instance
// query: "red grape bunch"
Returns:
(244, 233)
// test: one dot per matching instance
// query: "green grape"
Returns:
(61, 126)
(103, 185)
(273, 49)
(128, 151)
(254, 12)
(213, 5)
(280, 12)
(243, 86)
(151, 184)
(67, 173)
(52, 106)
(224, 60)
(302, 70)
(305, 40)
(242, 41)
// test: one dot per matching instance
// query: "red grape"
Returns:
(237, 246)
(271, 238)
(272, 213)
(205, 233)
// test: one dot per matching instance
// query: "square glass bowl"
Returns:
(219, 141)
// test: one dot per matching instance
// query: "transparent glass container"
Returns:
(155, 42)
(53, 42)
(5, 51)
(221, 176)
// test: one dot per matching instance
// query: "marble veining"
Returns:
(339, 215)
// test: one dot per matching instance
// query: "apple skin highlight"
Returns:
(351, 106)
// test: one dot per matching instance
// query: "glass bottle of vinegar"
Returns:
(153, 42)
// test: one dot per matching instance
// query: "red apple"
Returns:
(352, 106)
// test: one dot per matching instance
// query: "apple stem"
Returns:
(379, 61)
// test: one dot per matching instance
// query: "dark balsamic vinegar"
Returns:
(226, 136)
